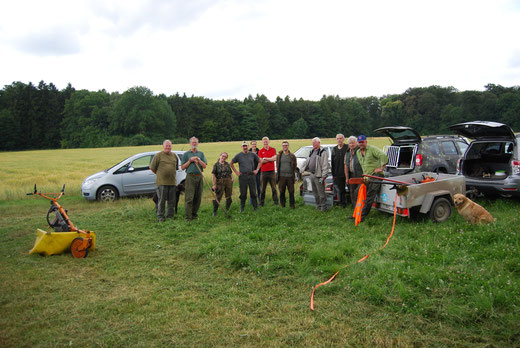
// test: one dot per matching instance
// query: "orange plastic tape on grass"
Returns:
(360, 260)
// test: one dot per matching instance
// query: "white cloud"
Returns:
(232, 48)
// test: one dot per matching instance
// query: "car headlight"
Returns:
(88, 183)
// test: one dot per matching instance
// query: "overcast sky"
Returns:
(223, 49)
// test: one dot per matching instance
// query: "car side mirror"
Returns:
(131, 169)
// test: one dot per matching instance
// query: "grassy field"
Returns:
(246, 281)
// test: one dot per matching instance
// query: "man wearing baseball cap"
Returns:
(373, 162)
(248, 165)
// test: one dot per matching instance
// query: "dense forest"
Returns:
(43, 117)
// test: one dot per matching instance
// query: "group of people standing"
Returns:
(256, 169)
(259, 167)
(352, 161)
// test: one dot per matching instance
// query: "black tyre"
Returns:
(440, 210)
(107, 193)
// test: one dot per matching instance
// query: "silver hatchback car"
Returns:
(129, 177)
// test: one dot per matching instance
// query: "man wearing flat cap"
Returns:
(248, 165)
(373, 162)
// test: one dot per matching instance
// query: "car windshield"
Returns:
(115, 165)
(303, 151)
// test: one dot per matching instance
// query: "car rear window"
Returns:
(462, 146)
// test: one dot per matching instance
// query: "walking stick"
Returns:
(211, 189)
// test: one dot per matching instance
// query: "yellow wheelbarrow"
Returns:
(66, 236)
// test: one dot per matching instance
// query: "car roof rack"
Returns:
(444, 136)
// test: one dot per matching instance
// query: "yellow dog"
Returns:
(471, 211)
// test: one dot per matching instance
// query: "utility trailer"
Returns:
(420, 193)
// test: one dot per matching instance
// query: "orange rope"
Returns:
(360, 260)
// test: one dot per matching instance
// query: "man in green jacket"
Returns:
(164, 166)
(373, 162)
(192, 161)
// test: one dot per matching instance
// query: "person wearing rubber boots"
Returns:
(192, 161)
(248, 165)
(222, 177)
(286, 164)
(164, 166)
(373, 162)
(255, 149)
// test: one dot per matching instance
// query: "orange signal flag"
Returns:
(360, 203)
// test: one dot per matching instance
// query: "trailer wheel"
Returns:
(440, 210)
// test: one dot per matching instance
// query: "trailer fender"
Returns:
(430, 197)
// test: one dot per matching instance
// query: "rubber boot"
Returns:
(228, 203)
(215, 207)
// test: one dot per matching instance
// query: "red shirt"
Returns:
(263, 153)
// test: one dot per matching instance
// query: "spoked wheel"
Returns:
(107, 193)
(79, 248)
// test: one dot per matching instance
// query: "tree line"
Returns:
(43, 117)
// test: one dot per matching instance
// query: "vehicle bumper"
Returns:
(508, 186)
(88, 193)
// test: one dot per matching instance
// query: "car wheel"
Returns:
(440, 210)
(107, 194)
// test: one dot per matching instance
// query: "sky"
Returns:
(227, 49)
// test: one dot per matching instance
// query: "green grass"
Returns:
(247, 280)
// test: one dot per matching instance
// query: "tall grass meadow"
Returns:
(247, 280)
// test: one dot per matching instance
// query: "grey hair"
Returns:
(337, 135)
(166, 141)
(193, 138)
(351, 138)
(316, 139)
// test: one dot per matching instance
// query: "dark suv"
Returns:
(410, 153)
(491, 164)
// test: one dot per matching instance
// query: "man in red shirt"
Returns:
(267, 156)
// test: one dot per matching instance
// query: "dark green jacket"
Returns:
(293, 164)
(358, 171)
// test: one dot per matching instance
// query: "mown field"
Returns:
(246, 281)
